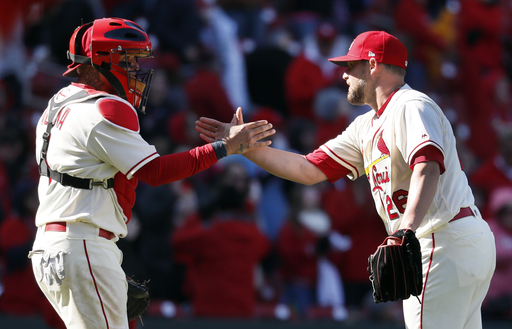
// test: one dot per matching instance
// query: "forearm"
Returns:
(287, 165)
(173, 167)
(422, 191)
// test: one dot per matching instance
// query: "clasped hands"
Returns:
(238, 137)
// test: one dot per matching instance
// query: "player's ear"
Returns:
(372, 63)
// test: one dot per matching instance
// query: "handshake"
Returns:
(238, 137)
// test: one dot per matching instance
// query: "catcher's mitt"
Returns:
(138, 298)
(396, 270)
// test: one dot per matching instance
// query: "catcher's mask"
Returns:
(114, 46)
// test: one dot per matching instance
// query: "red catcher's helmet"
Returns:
(102, 43)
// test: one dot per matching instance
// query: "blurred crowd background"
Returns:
(234, 241)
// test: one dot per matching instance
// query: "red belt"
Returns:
(61, 227)
(464, 212)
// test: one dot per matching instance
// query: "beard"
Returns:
(356, 93)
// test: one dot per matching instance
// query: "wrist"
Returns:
(408, 222)
(220, 149)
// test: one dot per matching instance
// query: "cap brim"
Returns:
(342, 60)
(71, 71)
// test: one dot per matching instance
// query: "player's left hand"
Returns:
(396, 268)
(212, 130)
(238, 137)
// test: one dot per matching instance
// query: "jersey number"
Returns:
(399, 200)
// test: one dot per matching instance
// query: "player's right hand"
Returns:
(237, 136)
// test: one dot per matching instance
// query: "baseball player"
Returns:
(406, 149)
(91, 156)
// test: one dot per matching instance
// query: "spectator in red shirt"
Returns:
(205, 93)
(481, 30)
(412, 17)
(307, 73)
(481, 27)
(297, 264)
(306, 248)
(493, 173)
(222, 253)
(489, 112)
(347, 204)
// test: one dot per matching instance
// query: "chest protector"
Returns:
(54, 108)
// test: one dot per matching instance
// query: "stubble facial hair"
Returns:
(356, 93)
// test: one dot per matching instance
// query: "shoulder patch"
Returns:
(119, 113)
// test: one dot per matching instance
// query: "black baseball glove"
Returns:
(138, 298)
(396, 270)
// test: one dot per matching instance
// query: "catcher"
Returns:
(90, 157)
(406, 149)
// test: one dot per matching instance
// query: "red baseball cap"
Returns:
(80, 47)
(380, 45)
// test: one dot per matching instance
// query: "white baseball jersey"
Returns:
(94, 138)
(382, 147)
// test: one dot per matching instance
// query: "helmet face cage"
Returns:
(137, 80)
(114, 39)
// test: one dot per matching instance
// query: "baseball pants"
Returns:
(458, 264)
(80, 274)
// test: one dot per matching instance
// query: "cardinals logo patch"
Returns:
(382, 146)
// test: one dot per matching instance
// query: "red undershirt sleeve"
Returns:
(428, 153)
(332, 169)
(173, 167)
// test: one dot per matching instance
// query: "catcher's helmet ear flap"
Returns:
(79, 49)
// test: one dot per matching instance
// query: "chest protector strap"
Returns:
(54, 107)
